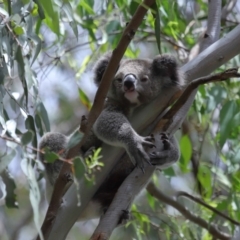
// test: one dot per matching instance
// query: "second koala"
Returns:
(136, 82)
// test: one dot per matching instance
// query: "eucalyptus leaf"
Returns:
(3, 192)
(79, 167)
(38, 123)
(74, 139)
(40, 9)
(10, 187)
(30, 125)
(21, 72)
(6, 159)
(227, 120)
(34, 192)
(27, 137)
(44, 116)
(49, 156)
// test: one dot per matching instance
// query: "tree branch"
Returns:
(169, 116)
(198, 200)
(151, 188)
(213, 24)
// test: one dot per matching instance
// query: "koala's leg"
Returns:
(166, 152)
(114, 128)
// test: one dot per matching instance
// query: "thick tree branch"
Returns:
(212, 32)
(122, 200)
(151, 188)
(213, 24)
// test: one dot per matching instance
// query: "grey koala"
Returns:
(136, 82)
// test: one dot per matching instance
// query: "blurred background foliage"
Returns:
(47, 50)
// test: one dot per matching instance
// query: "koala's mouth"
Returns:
(129, 90)
(132, 96)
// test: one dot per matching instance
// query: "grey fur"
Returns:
(146, 80)
(137, 81)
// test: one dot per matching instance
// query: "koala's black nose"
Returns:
(129, 81)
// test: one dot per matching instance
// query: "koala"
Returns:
(136, 82)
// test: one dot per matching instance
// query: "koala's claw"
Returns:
(165, 141)
(147, 141)
(166, 144)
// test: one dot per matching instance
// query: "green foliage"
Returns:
(46, 45)
(27, 137)
(75, 139)
(84, 99)
(34, 191)
(228, 110)
(49, 156)
(186, 153)
(8, 187)
(93, 160)
(79, 168)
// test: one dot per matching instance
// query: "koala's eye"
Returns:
(119, 80)
(144, 79)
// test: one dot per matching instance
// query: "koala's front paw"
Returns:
(137, 152)
(165, 141)
(167, 151)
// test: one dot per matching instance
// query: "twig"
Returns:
(228, 9)
(229, 73)
(198, 200)
(152, 189)
(10, 30)
(36, 150)
(186, 130)
(14, 99)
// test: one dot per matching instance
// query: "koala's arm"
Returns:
(113, 128)
(166, 152)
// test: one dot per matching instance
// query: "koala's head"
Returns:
(138, 81)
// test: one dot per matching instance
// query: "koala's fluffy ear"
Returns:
(100, 67)
(166, 66)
